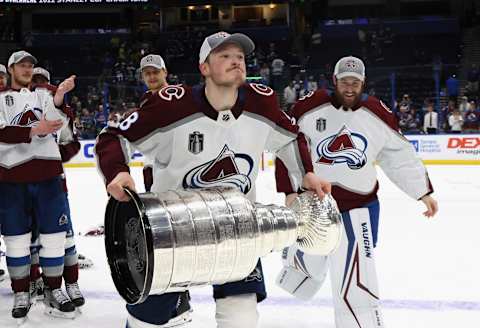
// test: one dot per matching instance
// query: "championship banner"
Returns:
(448, 149)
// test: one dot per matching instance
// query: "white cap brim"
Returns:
(152, 65)
(350, 74)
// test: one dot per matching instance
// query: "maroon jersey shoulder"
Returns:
(262, 100)
(310, 101)
(171, 104)
(379, 109)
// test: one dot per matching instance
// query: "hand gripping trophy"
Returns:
(168, 242)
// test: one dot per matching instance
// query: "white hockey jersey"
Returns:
(194, 146)
(25, 159)
(346, 145)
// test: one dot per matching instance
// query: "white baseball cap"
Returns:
(350, 66)
(3, 69)
(42, 71)
(215, 40)
(152, 61)
(18, 56)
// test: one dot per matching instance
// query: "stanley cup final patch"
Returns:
(195, 142)
(321, 124)
(9, 100)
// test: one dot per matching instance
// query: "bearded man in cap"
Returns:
(349, 132)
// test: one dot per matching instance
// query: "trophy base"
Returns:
(128, 242)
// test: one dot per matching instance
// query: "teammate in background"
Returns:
(3, 77)
(350, 131)
(203, 136)
(30, 183)
(154, 74)
(69, 147)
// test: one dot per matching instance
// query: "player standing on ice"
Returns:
(69, 147)
(154, 74)
(30, 182)
(349, 131)
(204, 136)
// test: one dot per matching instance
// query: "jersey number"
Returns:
(125, 125)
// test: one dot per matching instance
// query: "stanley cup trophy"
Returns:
(168, 242)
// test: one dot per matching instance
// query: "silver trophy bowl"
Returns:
(168, 242)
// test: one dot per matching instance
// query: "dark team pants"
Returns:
(159, 309)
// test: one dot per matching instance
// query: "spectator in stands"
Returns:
(452, 87)
(277, 72)
(3, 76)
(405, 118)
(87, 125)
(464, 105)
(471, 118)
(322, 82)
(471, 89)
(415, 124)
(265, 73)
(430, 120)
(290, 96)
(100, 118)
(445, 114)
(406, 100)
(312, 85)
(456, 122)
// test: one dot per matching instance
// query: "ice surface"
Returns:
(428, 269)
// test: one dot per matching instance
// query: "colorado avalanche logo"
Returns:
(344, 147)
(229, 169)
(28, 117)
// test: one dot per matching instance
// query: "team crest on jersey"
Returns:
(172, 91)
(228, 169)
(261, 89)
(28, 117)
(343, 147)
(9, 100)
(195, 142)
(321, 124)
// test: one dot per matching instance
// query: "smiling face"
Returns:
(225, 66)
(348, 90)
(154, 78)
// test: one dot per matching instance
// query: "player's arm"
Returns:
(63, 88)
(292, 149)
(142, 130)
(68, 141)
(402, 166)
(284, 184)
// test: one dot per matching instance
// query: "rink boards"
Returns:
(448, 149)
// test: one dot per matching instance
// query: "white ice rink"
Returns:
(429, 270)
